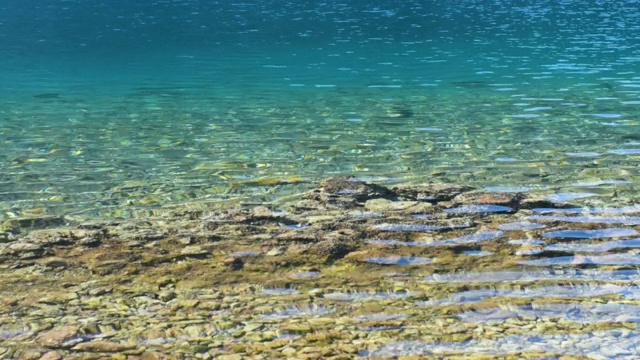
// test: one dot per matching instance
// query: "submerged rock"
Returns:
(345, 192)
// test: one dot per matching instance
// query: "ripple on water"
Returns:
(477, 253)
(601, 183)
(413, 227)
(387, 242)
(568, 196)
(472, 296)
(305, 274)
(590, 210)
(521, 226)
(509, 189)
(611, 344)
(526, 242)
(626, 220)
(609, 259)
(581, 313)
(297, 226)
(295, 311)
(480, 236)
(529, 251)
(380, 317)
(365, 215)
(367, 296)
(590, 234)
(602, 247)
(478, 209)
(466, 239)
(279, 291)
(525, 276)
(625, 152)
(246, 253)
(400, 260)
(587, 154)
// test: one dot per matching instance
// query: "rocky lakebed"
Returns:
(347, 270)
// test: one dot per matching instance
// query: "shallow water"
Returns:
(128, 110)
(103, 114)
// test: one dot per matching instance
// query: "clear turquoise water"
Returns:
(120, 108)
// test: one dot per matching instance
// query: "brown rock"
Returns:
(234, 263)
(25, 250)
(30, 354)
(330, 250)
(342, 187)
(383, 205)
(430, 192)
(262, 212)
(55, 262)
(491, 198)
(149, 356)
(194, 251)
(52, 355)
(103, 346)
(56, 337)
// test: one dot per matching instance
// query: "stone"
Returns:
(276, 251)
(25, 250)
(194, 251)
(234, 263)
(511, 200)
(430, 192)
(55, 262)
(103, 346)
(383, 205)
(345, 192)
(57, 336)
(262, 212)
(230, 357)
(37, 222)
(330, 250)
(150, 356)
(52, 355)
(30, 354)
(288, 351)
(167, 295)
